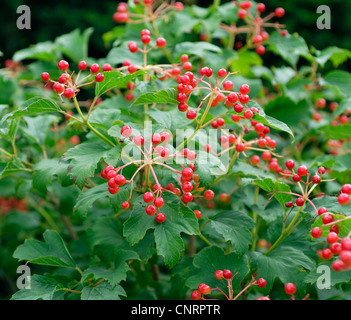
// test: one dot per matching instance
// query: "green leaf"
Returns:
(74, 44)
(271, 186)
(115, 79)
(283, 263)
(246, 169)
(41, 288)
(334, 54)
(168, 95)
(38, 127)
(8, 87)
(179, 219)
(290, 48)
(195, 48)
(210, 259)
(342, 107)
(235, 227)
(104, 118)
(52, 252)
(244, 61)
(339, 79)
(85, 157)
(103, 291)
(46, 51)
(171, 120)
(337, 132)
(13, 166)
(44, 170)
(119, 271)
(120, 54)
(36, 105)
(87, 198)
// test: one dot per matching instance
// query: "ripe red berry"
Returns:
(346, 244)
(99, 77)
(332, 237)
(191, 114)
(266, 156)
(261, 283)
(148, 197)
(302, 171)
(316, 232)
(345, 257)
(68, 93)
(45, 76)
(184, 58)
(239, 108)
(222, 73)
(248, 114)
(346, 188)
(209, 195)
(240, 147)
(242, 13)
(198, 214)
(187, 197)
(120, 179)
(244, 98)
(289, 204)
(161, 42)
(279, 12)
(126, 131)
(156, 138)
(187, 186)
(106, 67)
(113, 190)
(150, 210)
(139, 140)
(244, 89)
(322, 210)
(159, 202)
(227, 274)
(196, 295)
(187, 174)
(58, 87)
(261, 7)
(125, 205)
(218, 274)
(336, 248)
(95, 68)
(334, 228)
(160, 217)
(290, 288)
(220, 122)
(261, 50)
(316, 179)
(327, 254)
(63, 65)
(290, 164)
(82, 65)
(343, 199)
(337, 265)
(228, 85)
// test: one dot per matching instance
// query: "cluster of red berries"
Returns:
(10, 204)
(289, 289)
(158, 150)
(255, 24)
(321, 104)
(204, 289)
(145, 37)
(67, 86)
(123, 15)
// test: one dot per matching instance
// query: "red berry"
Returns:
(332, 237)
(346, 244)
(290, 164)
(106, 67)
(227, 274)
(160, 217)
(343, 199)
(337, 265)
(82, 65)
(239, 108)
(45, 76)
(198, 214)
(184, 58)
(322, 210)
(261, 50)
(346, 188)
(150, 210)
(327, 218)
(187, 186)
(240, 147)
(290, 288)
(261, 7)
(316, 232)
(248, 114)
(244, 89)
(327, 254)
(126, 131)
(187, 197)
(289, 204)
(63, 65)
(191, 114)
(302, 171)
(68, 93)
(242, 13)
(336, 248)
(95, 68)
(255, 159)
(209, 195)
(316, 179)
(220, 122)
(156, 138)
(159, 202)
(187, 173)
(196, 295)
(218, 274)
(148, 197)
(244, 98)
(99, 77)
(58, 87)
(120, 179)
(161, 42)
(261, 283)
(345, 257)
(279, 12)
(145, 39)
(222, 73)
(266, 156)
(228, 85)
(139, 140)
(125, 205)
(113, 190)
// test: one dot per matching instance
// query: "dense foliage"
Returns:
(179, 166)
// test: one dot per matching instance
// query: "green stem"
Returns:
(286, 232)
(205, 240)
(216, 3)
(231, 41)
(100, 135)
(254, 218)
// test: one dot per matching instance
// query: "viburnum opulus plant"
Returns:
(184, 164)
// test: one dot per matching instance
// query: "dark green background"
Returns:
(53, 18)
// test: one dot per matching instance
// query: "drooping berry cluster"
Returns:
(155, 154)
(255, 25)
(153, 10)
(204, 289)
(67, 85)
(10, 204)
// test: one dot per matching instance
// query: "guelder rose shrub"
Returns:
(183, 165)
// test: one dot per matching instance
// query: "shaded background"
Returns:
(53, 18)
